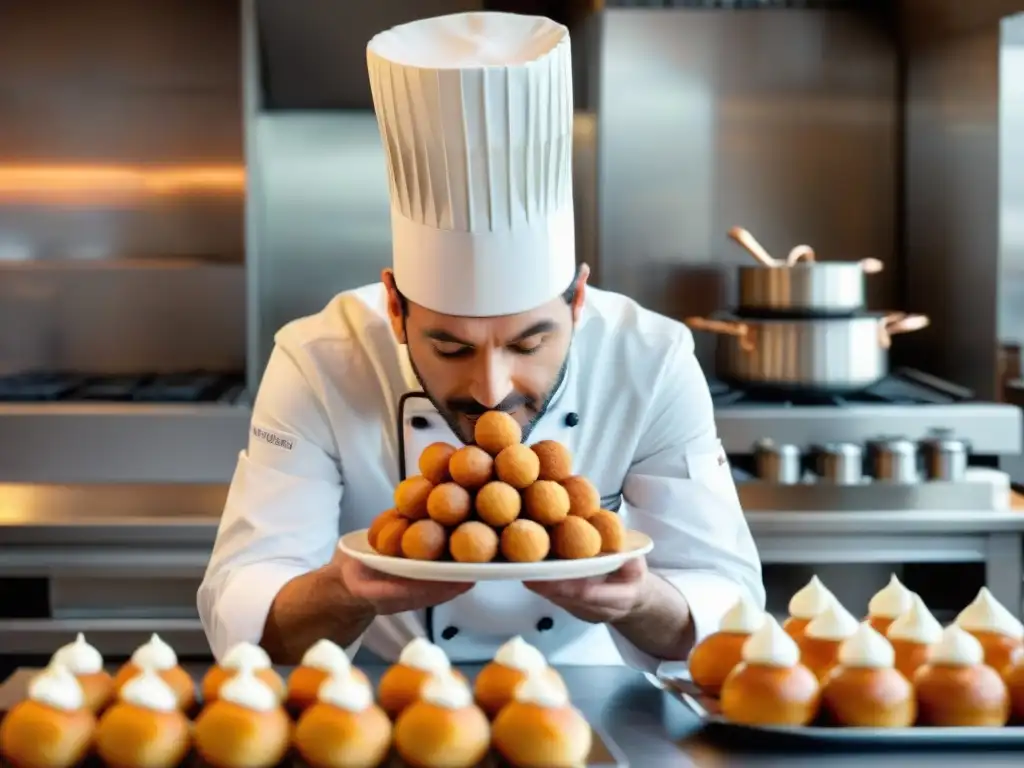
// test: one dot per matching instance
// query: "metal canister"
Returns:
(945, 458)
(893, 460)
(778, 463)
(839, 463)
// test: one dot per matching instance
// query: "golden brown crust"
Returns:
(909, 656)
(176, 677)
(378, 524)
(449, 504)
(868, 698)
(613, 532)
(575, 539)
(518, 466)
(98, 688)
(495, 431)
(411, 497)
(880, 624)
(229, 736)
(304, 686)
(1000, 650)
(389, 540)
(473, 542)
(524, 541)
(425, 540)
(399, 687)
(760, 695)
(961, 696)
(546, 502)
(584, 500)
(217, 676)
(132, 737)
(428, 736)
(471, 467)
(529, 736)
(496, 684)
(795, 627)
(433, 463)
(714, 658)
(33, 735)
(498, 504)
(330, 737)
(555, 460)
(819, 655)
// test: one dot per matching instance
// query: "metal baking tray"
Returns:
(821, 738)
(603, 754)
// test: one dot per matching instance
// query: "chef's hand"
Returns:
(600, 599)
(385, 594)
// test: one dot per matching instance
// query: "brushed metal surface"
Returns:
(1010, 280)
(783, 122)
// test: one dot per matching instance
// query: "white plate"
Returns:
(356, 545)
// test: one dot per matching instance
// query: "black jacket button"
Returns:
(572, 419)
(545, 624)
(449, 632)
(419, 422)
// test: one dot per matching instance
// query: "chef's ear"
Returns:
(579, 291)
(396, 305)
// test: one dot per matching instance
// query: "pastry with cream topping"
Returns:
(770, 686)
(323, 659)
(144, 728)
(241, 656)
(158, 655)
(52, 727)
(888, 604)
(86, 664)
(716, 655)
(957, 688)
(806, 605)
(246, 727)
(911, 635)
(443, 728)
(495, 686)
(822, 638)
(866, 690)
(540, 728)
(400, 685)
(344, 728)
(998, 630)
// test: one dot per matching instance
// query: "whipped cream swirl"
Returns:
(835, 623)
(956, 648)
(327, 657)
(916, 625)
(57, 687)
(248, 691)
(423, 655)
(810, 601)
(519, 654)
(155, 654)
(79, 657)
(743, 618)
(867, 649)
(770, 646)
(346, 691)
(149, 691)
(892, 601)
(986, 614)
(445, 690)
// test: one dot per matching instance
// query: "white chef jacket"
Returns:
(337, 411)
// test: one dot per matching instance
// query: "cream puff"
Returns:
(539, 728)
(159, 656)
(241, 656)
(246, 727)
(344, 728)
(806, 605)
(957, 688)
(822, 638)
(888, 604)
(998, 630)
(443, 728)
(865, 689)
(400, 685)
(86, 664)
(770, 686)
(716, 655)
(52, 727)
(145, 728)
(911, 635)
(324, 659)
(496, 684)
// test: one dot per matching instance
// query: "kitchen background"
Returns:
(177, 180)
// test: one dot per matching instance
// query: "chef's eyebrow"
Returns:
(544, 326)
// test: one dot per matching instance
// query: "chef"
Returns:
(484, 308)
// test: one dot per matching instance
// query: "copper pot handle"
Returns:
(754, 248)
(741, 331)
(872, 266)
(800, 253)
(899, 322)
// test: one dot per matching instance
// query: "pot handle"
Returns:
(801, 252)
(871, 266)
(742, 331)
(754, 248)
(899, 322)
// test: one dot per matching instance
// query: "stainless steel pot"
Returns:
(800, 286)
(836, 354)
(777, 463)
(893, 460)
(945, 458)
(839, 463)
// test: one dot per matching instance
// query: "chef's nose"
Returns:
(493, 381)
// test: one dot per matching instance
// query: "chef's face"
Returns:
(469, 365)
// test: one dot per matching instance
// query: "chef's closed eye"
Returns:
(450, 349)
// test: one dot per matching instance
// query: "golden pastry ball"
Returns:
(425, 540)
(495, 431)
(330, 737)
(584, 500)
(471, 467)
(539, 737)
(546, 502)
(498, 503)
(575, 539)
(434, 460)
(33, 735)
(180, 681)
(229, 736)
(518, 466)
(555, 460)
(524, 541)
(389, 540)
(411, 497)
(613, 532)
(473, 542)
(378, 524)
(217, 675)
(430, 736)
(132, 737)
(449, 504)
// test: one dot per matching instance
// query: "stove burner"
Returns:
(198, 387)
(905, 386)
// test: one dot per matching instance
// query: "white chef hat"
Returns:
(475, 113)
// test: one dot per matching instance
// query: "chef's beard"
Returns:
(510, 403)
